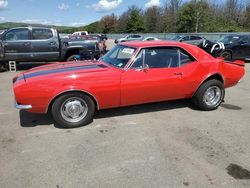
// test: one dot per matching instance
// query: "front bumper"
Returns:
(22, 106)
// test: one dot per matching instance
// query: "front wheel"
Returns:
(210, 95)
(74, 57)
(73, 110)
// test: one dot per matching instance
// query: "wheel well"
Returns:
(216, 76)
(71, 52)
(75, 91)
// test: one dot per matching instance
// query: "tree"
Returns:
(91, 28)
(247, 17)
(152, 18)
(135, 20)
(122, 22)
(108, 24)
(231, 10)
(193, 16)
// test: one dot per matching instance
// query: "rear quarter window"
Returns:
(41, 34)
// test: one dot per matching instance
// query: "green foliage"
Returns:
(193, 16)
(108, 24)
(135, 22)
(152, 19)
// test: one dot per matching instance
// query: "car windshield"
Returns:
(229, 39)
(176, 37)
(119, 56)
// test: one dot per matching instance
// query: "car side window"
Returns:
(186, 38)
(157, 58)
(138, 60)
(244, 39)
(41, 34)
(17, 34)
(195, 38)
(185, 58)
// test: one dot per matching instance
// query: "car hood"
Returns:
(65, 68)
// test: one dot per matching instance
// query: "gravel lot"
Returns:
(164, 145)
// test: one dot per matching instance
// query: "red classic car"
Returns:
(131, 73)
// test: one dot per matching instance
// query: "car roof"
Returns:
(141, 44)
(194, 50)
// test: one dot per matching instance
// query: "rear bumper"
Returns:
(23, 106)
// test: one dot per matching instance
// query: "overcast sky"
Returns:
(66, 12)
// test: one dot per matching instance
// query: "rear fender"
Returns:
(233, 72)
(215, 75)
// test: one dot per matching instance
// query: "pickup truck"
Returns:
(39, 44)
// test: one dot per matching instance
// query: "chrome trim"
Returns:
(23, 107)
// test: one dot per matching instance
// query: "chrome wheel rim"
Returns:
(74, 109)
(212, 96)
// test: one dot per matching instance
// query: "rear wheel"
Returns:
(2, 67)
(226, 55)
(210, 95)
(73, 110)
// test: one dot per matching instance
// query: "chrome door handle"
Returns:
(26, 43)
(52, 43)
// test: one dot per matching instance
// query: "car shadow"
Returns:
(28, 119)
(144, 108)
(32, 120)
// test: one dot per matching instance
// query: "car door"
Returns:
(45, 44)
(17, 45)
(155, 75)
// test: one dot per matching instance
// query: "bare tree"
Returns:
(170, 15)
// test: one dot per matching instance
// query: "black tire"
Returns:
(226, 55)
(74, 57)
(3, 67)
(215, 87)
(59, 110)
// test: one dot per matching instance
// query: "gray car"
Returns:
(132, 37)
(191, 39)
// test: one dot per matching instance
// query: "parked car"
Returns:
(80, 33)
(191, 39)
(150, 38)
(129, 74)
(36, 44)
(129, 38)
(235, 47)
